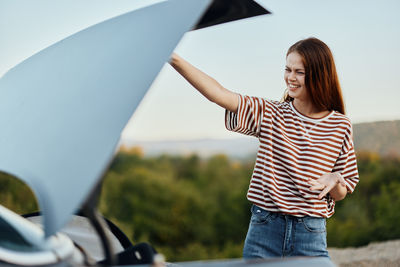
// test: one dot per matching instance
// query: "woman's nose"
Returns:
(292, 76)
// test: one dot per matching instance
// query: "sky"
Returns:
(246, 56)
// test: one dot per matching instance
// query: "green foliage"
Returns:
(188, 208)
(15, 195)
(191, 208)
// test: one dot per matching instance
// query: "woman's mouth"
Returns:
(293, 86)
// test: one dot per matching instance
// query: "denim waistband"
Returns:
(275, 214)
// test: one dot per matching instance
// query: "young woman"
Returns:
(306, 158)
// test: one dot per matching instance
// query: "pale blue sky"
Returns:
(245, 56)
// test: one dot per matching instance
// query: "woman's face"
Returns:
(295, 77)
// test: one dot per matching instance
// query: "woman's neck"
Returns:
(308, 109)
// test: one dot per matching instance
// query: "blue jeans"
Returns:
(273, 234)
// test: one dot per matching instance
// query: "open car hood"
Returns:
(64, 108)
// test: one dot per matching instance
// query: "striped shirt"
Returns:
(294, 148)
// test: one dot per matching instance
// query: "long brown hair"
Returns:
(321, 79)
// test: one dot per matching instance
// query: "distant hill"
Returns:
(381, 137)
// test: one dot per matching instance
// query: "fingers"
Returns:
(324, 192)
(315, 185)
(319, 185)
(326, 183)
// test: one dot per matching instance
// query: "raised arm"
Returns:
(205, 84)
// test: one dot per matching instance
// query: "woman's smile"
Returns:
(293, 86)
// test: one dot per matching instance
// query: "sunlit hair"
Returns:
(321, 79)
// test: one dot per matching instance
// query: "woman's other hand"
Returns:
(332, 183)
